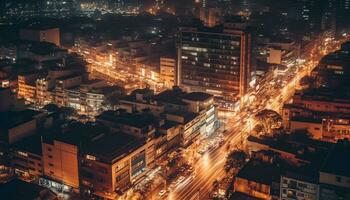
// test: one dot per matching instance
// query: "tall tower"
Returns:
(311, 14)
(215, 61)
(328, 23)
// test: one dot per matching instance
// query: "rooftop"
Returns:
(30, 144)
(242, 196)
(306, 173)
(20, 190)
(92, 81)
(111, 147)
(171, 96)
(76, 133)
(298, 144)
(139, 120)
(168, 124)
(260, 172)
(14, 118)
(306, 119)
(325, 95)
(107, 90)
(197, 96)
(338, 159)
(146, 92)
(188, 116)
(45, 48)
(68, 77)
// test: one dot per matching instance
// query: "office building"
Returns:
(26, 158)
(194, 111)
(323, 112)
(113, 163)
(168, 71)
(215, 60)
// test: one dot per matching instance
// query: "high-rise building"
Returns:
(215, 60)
(328, 16)
(342, 16)
(39, 8)
(310, 13)
(328, 23)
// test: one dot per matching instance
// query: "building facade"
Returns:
(215, 61)
(168, 71)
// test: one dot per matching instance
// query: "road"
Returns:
(211, 165)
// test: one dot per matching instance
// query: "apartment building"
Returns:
(299, 183)
(45, 86)
(113, 163)
(26, 158)
(259, 178)
(61, 151)
(161, 135)
(194, 111)
(26, 86)
(16, 130)
(62, 83)
(324, 113)
(168, 71)
(141, 99)
(149, 71)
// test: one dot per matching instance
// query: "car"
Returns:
(192, 176)
(202, 150)
(182, 169)
(182, 178)
(162, 193)
(172, 185)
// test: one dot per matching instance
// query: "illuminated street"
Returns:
(210, 166)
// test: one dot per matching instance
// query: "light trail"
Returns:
(211, 168)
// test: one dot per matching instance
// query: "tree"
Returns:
(216, 185)
(307, 81)
(235, 160)
(112, 99)
(269, 120)
(64, 112)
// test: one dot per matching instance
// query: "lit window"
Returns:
(22, 153)
(90, 157)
